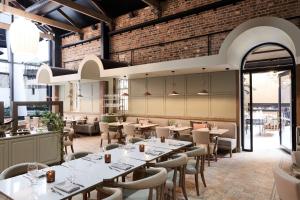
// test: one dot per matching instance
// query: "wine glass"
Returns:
(67, 164)
(32, 170)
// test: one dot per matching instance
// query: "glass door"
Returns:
(247, 135)
(285, 110)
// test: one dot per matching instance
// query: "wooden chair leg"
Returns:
(84, 196)
(66, 150)
(183, 184)
(197, 184)
(230, 153)
(202, 170)
(208, 156)
(216, 156)
(101, 143)
(72, 149)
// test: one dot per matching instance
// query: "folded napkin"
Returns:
(122, 166)
(176, 144)
(153, 152)
(67, 187)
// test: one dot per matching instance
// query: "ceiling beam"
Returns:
(84, 10)
(66, 17)
(42, 35)
(153, 3)
(96, 4)
(37, 18)
(37, 6)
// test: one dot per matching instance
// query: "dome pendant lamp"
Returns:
(173, 93)
(147, 93)
(24, 37)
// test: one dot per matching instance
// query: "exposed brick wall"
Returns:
(180, 38)
(71, 56)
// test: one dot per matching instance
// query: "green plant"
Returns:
(53, 121)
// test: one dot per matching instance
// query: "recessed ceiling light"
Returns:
(203, 68)
(227, 68)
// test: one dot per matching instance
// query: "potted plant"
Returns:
(53, 121)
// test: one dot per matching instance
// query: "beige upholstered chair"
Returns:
(176, 163)
(202, 139)
(288, 187)
(135, 140)
(129, 131)
(105, 133)
(155, 179)
(296, 158)
(79, 154)
(35, 122)
(18, 169)
(27, 122)
(162, 131)
(68, 140)
(106, 193)
(195, 165)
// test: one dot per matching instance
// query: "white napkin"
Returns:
(122, 166)
(66, 186)
(153, 152)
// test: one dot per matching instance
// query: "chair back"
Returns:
(195, 152)
(104, 127)
(296, 158)
(162, 131)
(288, 187)
(135, 140)
(201, 137)
(111, 146)
(27, 121)
(155, 177)
(129, 130)
(18, 169)
(79, 154)
(35, 122)
(112, 193)
(177, 161)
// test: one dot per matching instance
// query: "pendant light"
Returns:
(79, 90)
(173, 93)
(24, 37)
(147, 93)
(124, 94)
(203, 92)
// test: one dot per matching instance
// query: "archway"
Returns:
(267, 111)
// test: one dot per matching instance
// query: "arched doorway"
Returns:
(268, 96)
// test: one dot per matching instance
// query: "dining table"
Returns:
(87, 172)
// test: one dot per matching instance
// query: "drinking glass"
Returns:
(31, 170)
(67, 163)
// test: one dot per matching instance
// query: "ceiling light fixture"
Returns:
(1, 53)
(147, 93)
(203, 92)
(124, 94)
(173, 93)
(79, 90)
(24, 37)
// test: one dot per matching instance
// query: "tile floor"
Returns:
(245, 176)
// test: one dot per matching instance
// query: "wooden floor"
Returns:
(246, 176)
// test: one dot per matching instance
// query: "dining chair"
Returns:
(129, 130)
(287, 186)
(79, 154)
(68, 139)
(135, 140)
(162, 131)
(106, 133)
(195, 165)
(150, 187)
(202, 139)
(296, 158)
(106, 193)
(27, 122)
(35, 122)
(177, 163)
(112, 146)
(18, 169)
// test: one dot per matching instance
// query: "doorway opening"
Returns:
(268, 98)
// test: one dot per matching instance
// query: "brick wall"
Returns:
(180, 38)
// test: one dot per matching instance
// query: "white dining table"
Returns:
(169, 144)
(88, 172)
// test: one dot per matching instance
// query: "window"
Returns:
(123, 92)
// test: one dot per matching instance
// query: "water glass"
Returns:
(32, 170)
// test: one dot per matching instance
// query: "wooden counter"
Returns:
(43, 147)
